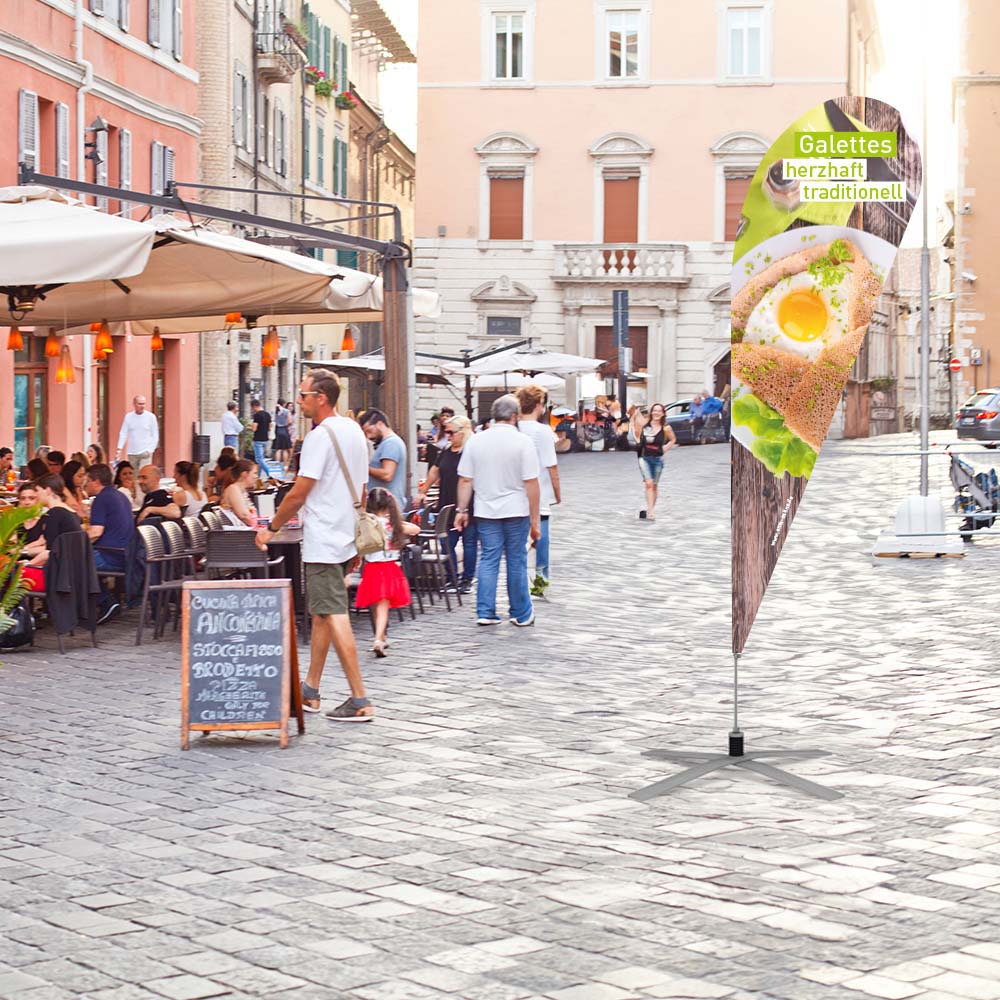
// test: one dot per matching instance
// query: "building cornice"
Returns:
(69, 72)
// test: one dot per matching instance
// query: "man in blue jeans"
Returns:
(261, 435)
(112, 527)
(502, 466)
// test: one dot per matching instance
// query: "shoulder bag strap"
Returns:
(343, 466)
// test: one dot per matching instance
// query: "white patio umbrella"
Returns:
(515, 380)
(532, 361)
(189, 278)
(374, 364)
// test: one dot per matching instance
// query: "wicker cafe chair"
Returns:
(164, 573)
(211, 518)
(195, 534)
(234, 555)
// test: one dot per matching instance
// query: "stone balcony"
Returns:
(278, 57)
(639, 263)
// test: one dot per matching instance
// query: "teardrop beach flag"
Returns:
(822, 221)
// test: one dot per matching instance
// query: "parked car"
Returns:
(979, 416)
(714, 429)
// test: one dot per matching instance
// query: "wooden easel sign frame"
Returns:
(240, 667)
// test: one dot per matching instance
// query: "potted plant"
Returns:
(314, 74)
(12, 590)
(346, 101)
(295, 32)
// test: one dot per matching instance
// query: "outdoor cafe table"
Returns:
(288, 544)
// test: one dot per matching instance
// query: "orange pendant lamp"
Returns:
(347, 344)
(52, 344)
(104, 345)
(65, 374)
(233, 319)
(156, 341)
(270, 348)
(15, 342)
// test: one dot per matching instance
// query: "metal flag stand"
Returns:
(701, 763)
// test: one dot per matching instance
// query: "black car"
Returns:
(979, 417)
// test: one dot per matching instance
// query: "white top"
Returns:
(498, 461)
(388, 554)
(135, 501)
(141, 433)
(194, 505)
(328, 516)
(231, 424)
(544, 439)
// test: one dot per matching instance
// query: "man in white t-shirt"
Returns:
(532, 399)
(328, 551)
(140, 434)
(502, 467)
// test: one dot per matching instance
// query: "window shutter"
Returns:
(335, 78)
(736, 192)
(97, 7)
(326, 54)
(279, 142)
(506, 208)
(248, 114)
(238, 131)
(306, 151)
(178, 33)
(168, 167)
(62, 140)
(261, 128)
(320, 156)
(101, 169)
(156, 169)
(153, 32)
(343, 170)
(27, 129)
(125, 167)
(124, 13)
(344, 68)
(335, 181)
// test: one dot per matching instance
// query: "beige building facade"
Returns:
(597, 146)
(977, 199)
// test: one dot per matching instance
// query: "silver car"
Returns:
(979, 416)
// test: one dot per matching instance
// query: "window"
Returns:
(62, 140)
(165, 29)
(97, 7)
(242, 129)
(737, 185)
(125, 167)
(115, 11)
(503, 326)
(161, 168)
(347, 258)
(508, 36)
(506, 206)
(280, 140)
(27, 128)
(177, 30)
(622, 44)
(744, 33)
(30, 380)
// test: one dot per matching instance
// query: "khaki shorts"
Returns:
(326, 588)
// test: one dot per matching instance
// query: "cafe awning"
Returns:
(373, 365)
(178, 275)
(531, 361)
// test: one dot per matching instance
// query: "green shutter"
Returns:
(347, 258)
(335, 79)
(326, 54)
(344, 68)
(320, 152)
(336, 166)
(343, 170)
(307, 128)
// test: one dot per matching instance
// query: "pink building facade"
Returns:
(569, 148)
(64, 64)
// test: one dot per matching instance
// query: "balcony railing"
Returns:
(641, 262)
(278, 56)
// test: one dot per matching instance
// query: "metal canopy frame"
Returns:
(467, 358)
(395, 255)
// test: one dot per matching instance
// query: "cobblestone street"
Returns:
(477, 840)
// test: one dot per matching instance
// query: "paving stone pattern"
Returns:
(477, 841)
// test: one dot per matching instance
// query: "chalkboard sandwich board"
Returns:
(239, 658)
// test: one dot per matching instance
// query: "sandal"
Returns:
(310, 698)
(352, 710)
(378, 647)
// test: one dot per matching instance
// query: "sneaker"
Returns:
(110, 613)
(489, 621)
(451, 589)
(310, 699)
(524, 624)
(352, 710)
(466, 587)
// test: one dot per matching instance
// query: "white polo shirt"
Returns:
(498, 461)
(544, 439)
(328, 516)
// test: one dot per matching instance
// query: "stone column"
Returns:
(573, 345)
(663, 387)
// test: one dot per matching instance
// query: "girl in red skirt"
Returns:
(383, 585)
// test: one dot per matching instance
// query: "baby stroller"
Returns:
(978, 496)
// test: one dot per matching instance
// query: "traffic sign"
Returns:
(955, 364)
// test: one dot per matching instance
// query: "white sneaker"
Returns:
(530, 621)
(489, 621)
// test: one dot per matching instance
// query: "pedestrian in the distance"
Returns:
(232, 426)
(330, 483)
(502, 467)
(655, 438)
(532, 401)
(261, 432)
(383, 585)
(140, 434)
(282, 437)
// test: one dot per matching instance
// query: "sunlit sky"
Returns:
(914, 33)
